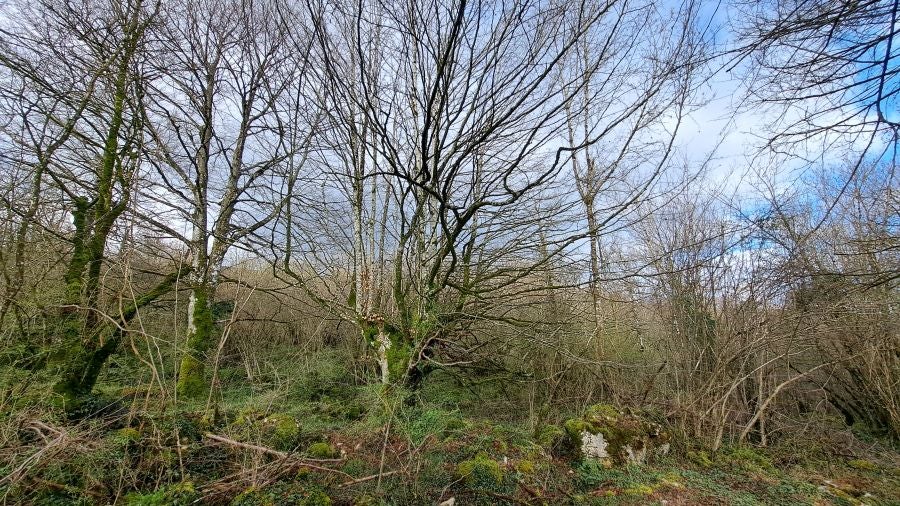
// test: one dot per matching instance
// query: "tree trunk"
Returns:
(86, 349)
(200, 338)
(86, 358)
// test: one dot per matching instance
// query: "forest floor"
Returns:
(318, 439)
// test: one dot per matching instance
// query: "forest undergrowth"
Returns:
(302, 432)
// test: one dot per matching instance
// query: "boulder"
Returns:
(615, 437)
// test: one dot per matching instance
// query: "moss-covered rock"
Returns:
(322, 450)
(614, 437)
(481, 472)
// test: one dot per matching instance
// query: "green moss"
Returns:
(671, 480)
(862, 465)
(748, 458)
(191, 383)
(574, 427)
(620, 431)
(248, 416)
(549, 436)
(322, 450)
(397, 354)
(398, 357)
(316, 498)
(369, 332)
(525, 466)
(80, 255)
(700, 458)
(285, 430)
(454, 424)
(200, 339)
(480, 472)
(252, 497)
(278, 430)
(435, 422)
(639, 490)
(283, 493)
(597, 418)
(603, 411)
(126, 436)
(367, 500)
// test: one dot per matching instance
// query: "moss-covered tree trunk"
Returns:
(191, 370)
(201, 330)
(401, 354)
(392, 347)
(87, 342)
(86, 358)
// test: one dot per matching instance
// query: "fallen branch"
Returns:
(247, 446)
(368, 478)
(284, 463)
(264, 449)
(50, 449)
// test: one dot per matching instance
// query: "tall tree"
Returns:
(83, 128)
(463, 106)
(222, 117)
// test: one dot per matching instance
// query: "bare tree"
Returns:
(615, 176)
(822, 75)
(457, 113)
(79, 119)
(839, 275)
(222, 116)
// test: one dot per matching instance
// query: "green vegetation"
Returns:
(446, 252)
(296, 443)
